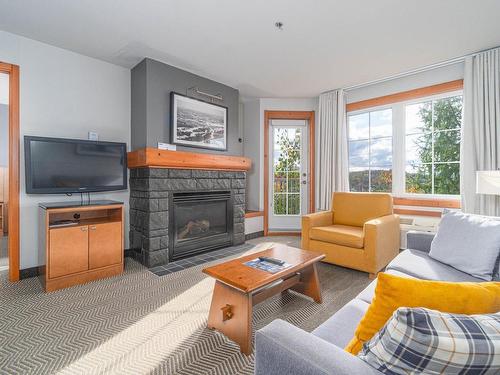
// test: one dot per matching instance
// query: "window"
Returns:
(433, 146)
(408, 147)
(370, 151)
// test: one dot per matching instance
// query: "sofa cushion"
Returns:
(430, 342)
(357, 208)
(469, 243)
(367, 294)
(393, 292)
(339, 328)
(339, 234)
(420, 265)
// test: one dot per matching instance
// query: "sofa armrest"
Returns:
(419, 240)
(283, 349)
(382, 240)
(317, 219)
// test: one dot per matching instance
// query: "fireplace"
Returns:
(164, 201)
(199, 221)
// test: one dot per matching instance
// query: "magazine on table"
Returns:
(266, 266)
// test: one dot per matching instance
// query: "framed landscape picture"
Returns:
(197, 123)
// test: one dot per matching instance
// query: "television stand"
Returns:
(75, 204)
(89, 247)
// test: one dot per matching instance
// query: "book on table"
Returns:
(266, 266)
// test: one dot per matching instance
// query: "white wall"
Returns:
(64, 94)
(254, 224)
(254, 139)
(415, 81)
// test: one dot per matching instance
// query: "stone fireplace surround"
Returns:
(150, 190)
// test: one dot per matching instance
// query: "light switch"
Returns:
(93, 136)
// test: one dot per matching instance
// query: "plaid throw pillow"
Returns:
(419, 340)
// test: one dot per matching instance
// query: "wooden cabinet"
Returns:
(78, 244)
(68, 251)
(105, 245)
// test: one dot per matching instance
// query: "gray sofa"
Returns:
(283, 349)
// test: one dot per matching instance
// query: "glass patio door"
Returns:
(289, 178)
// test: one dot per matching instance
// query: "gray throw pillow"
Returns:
(469, 243)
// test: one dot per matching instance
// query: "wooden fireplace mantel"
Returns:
(155, 158)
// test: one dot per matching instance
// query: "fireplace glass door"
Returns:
(194, 220)
(200, 221)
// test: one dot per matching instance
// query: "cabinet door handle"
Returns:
(84, 229)
(93, 227)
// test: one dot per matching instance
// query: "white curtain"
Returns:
(481, 129)
(332, 154)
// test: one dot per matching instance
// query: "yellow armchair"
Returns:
(360, 232)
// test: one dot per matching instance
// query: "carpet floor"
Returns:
(141, 323)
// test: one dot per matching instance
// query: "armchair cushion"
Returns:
(339, 234)
(356, 209)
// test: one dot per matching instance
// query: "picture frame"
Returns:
(197, 123)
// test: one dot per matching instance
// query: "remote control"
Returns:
(272, 260)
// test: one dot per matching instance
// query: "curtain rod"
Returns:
(407, 73)
(426, 68)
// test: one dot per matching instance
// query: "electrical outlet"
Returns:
(93, 136)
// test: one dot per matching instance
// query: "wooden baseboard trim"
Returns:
(298, 234)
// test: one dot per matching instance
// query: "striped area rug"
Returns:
(140, 323)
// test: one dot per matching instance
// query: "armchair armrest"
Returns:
(317, 219)
(283, 349)
(382, 240)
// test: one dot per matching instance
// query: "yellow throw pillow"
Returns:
(393, 292)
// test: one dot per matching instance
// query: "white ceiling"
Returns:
(325, 44)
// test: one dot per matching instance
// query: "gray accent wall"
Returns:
(152, 82)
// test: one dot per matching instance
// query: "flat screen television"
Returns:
(58, 166)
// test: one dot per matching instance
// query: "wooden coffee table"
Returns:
(239, 287)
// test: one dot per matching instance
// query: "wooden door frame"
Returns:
(288, 115)
(13, 204)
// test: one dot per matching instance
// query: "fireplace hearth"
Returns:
(199, 222)
(176, 213)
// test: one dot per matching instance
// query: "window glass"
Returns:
(370, 151)
(432, 145)
(426, 147)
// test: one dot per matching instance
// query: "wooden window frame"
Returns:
(404, 96)
(387, 100)
(13, 211)
(419, 203)
(288, 115)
